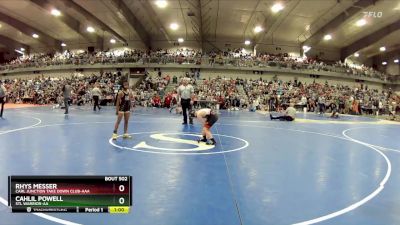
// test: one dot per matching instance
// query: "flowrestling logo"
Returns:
(178, 143)
(373, 14)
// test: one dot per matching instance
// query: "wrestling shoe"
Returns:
(114, 136)
(126, 136)
(211, 143)
(201, 140)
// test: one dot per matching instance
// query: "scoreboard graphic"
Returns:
(70, 194)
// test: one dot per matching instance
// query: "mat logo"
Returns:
(166, 137)
(184, 143)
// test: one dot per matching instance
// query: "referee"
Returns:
(186, 94)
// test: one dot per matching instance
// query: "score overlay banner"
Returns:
(87, 194)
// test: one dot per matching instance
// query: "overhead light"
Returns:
(174, 26)
(180, 40)
(361, 22)
(161, 3)
(382, 49)
(63, 44)
(90, 29)
(356, 54)
(112, 41)
(22, 49)
(0, 25)
(308, 27)
(55, 12)
(384, 63)
(258, 29)
(277, 7)
(35, 36)
(20, 52)
(306, 48)
(327, 37)
(396, 61)
(247, 42)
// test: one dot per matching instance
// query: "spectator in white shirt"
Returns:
(96, 94)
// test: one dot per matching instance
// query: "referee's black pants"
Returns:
(96, 102)
(186, 107)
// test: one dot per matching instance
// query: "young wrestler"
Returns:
(208, 117)
(123, 108)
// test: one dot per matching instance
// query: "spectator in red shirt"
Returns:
(157, 101)
(168, 100)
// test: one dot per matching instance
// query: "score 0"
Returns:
(121, 189)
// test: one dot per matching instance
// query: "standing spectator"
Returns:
(3, 93)
(341, 105)
(67, 95)
(185, 94)
(96, 93)
(355, 107)
(380, 107)
(321, 104)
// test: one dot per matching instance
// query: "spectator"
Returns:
(96, 93)
(156, 101)
(67, 94)
(290, 114)
(3, 94)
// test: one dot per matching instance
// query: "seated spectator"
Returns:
(168, 100)
(290, 114)
(156, 101)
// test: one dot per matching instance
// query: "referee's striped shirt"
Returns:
(186, 91)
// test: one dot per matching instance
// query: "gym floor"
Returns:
(313, 170)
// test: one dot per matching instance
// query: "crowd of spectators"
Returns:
(224, 93)
(220, 91)
(235, 57)
(48, 90)
(316, 97)
(151, 92)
